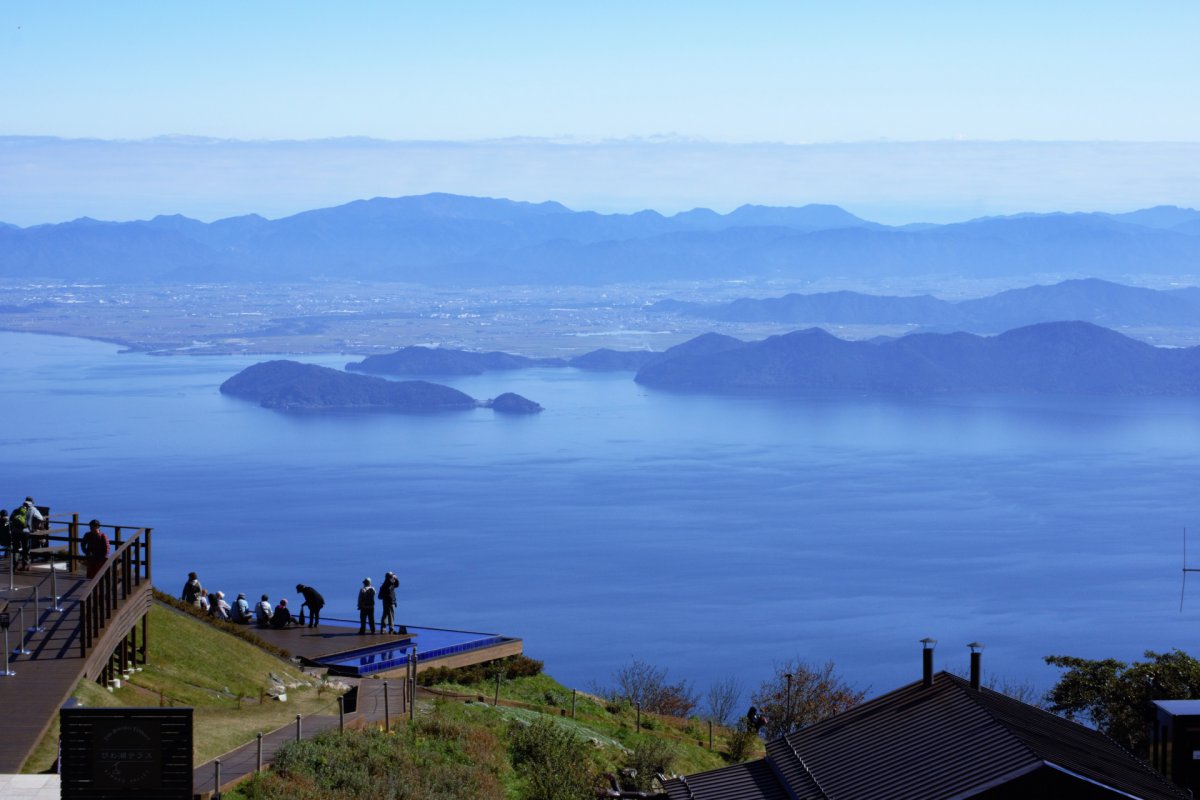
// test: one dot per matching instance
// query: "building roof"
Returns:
(941, 741)
(754, 780)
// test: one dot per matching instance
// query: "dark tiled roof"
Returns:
(754, 780)
(932, 743)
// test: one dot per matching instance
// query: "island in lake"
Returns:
(292, 386)
(1048, 358)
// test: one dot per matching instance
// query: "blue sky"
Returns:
(658, 72)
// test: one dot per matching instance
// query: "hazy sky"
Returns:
(751, 72)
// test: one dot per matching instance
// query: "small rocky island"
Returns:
(292, 386)
(511, 403)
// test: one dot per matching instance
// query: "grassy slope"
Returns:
(615, 730)
(194, 664)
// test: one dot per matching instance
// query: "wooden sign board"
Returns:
(133, 753)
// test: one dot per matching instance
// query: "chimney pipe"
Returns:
(976, 669)
(927, 661)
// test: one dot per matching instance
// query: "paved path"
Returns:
(239, 763)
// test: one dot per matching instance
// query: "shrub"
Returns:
(551, 761)
(650, 756)
(433, 758)
(513, 666)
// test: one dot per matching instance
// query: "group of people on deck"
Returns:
(19, 535)
(281, 616)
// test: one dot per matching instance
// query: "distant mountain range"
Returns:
(1048, 358)
(454, 240)
(1090, 300)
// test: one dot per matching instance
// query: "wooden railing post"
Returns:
(147, 537)
(73, 541)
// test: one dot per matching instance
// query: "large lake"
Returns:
(708, 535)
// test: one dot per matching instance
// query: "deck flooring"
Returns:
(45, 678)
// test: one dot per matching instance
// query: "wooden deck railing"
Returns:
(126, 571)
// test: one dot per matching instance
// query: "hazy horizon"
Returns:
(49, 179)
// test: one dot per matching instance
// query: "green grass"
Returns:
(191, 663)
(613, 726)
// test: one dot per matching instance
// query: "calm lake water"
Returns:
(708, 535)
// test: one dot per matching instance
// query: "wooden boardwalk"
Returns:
(45, 678)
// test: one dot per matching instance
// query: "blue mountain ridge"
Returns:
(453, 240)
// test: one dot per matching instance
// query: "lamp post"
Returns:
(788, 712)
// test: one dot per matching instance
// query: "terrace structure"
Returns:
(64, 627)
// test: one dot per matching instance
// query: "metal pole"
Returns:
(54, 588)
(639, 716)
(710, 734)
(8, 673)
(496, 702)
(11, 560)
(341, 714)
(297, 727)
(36, 628)
(20, 650)
(788, 713)
(258, 759)
(217, 779)
(412, 684)
(574, 696)
(387, 715)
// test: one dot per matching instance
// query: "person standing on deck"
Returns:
(314, 601)
(366, 607)
(387, 597)
(95, 548)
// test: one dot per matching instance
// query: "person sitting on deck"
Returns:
(314, 601)
(282, 618)
(241, 610)
(220, 608)
(192, 591)
(263, 612)
(95, 548)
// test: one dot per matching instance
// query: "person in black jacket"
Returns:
(387, 596)
(282, 618)
(314, 601)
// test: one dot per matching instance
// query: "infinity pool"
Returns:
(428, 643)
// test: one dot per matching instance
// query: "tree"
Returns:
(644, 684)
(1117, 698)
(816, 693)
(724, 696)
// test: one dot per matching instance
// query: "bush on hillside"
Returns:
(431, 759)
(512, 666)
(552, 762)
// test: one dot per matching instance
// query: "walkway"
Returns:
(46, 676)
(242, 762)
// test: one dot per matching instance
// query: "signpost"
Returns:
(132, 753)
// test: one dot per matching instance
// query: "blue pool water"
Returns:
(428, 643)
